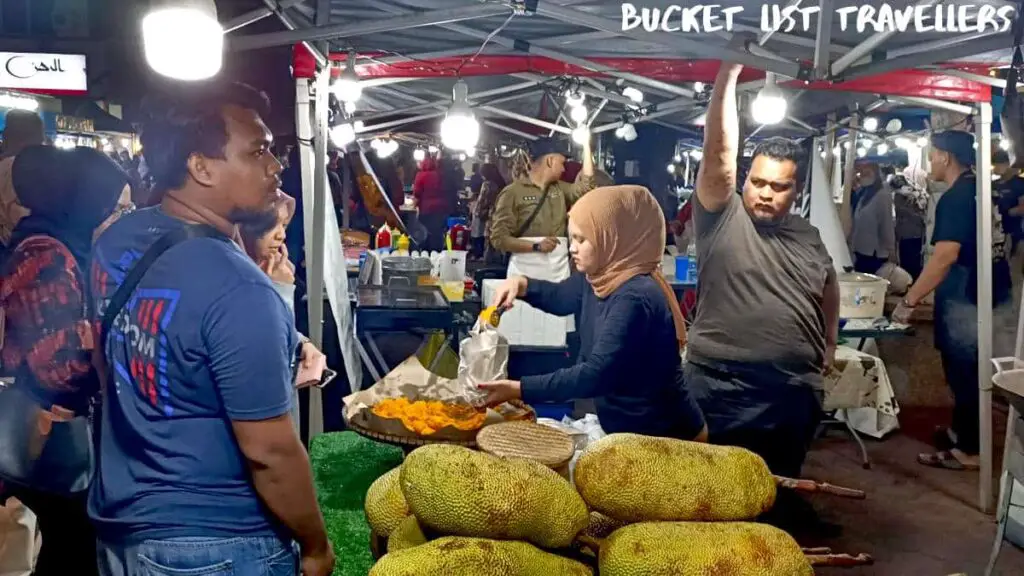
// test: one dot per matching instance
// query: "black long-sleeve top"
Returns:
(629, 359)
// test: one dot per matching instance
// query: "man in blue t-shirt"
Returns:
(200, 468)
(952, 273)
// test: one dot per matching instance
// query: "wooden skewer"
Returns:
(803, 485)
(840, 560)
(817, 550)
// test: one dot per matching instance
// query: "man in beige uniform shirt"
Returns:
(538, 206)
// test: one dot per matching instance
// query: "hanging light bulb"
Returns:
(846, 145)
(871, 123)
(347, 87)
(350, 107)
(574, 98)
(387, 148)
(696, 154)
(432, 149)
(578, 114)
(629, 132)
(183, 40)
(581, 135)
(823, 154)
(882, 149)
(460, 130)
(698, 87)
(769, 107)
(471, 152)
(671, 168)
(633, 94)
(1004, 143)
(677, 158)
(462, 157)
(835, 150)
(343, 134)
(419, 154)
(922, 141)
(903, 143)
(861, 152)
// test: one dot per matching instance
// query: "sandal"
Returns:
(944, 459)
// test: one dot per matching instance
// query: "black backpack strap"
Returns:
(131, 281)
(533, 215)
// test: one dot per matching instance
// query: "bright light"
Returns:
(418, 154)
(581, 135)
(903, 143)
(861, 152)
(578, 114)
(835, 151)
(627, 132)
(342, 135)
(671, 168)
(460, 130)
(1004, 143)
(893, 126)
(633, 94)
(823, 154)
(184, 43)
(108, 148)
(975, 145)
(384, 148)
(698, 86)
(574, 98)
(922, 141)
(462, 157)
(871, 124)
(18, 102)
(677, 158)
(882, 148)
(846, 145)
(126, 143)
(769, 107)
(350, 107)
(347, 87)
(696, 154)
(471, 152)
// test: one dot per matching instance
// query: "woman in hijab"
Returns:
(626, 314)
(72, 197)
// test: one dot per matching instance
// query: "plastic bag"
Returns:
(483, 357)
(19, 539)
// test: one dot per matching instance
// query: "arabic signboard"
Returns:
(47, 73)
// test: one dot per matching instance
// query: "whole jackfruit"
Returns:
(701, 548)
(636, 478)
(460, 556)
(406, 535)
(461, 492)
(385, 505)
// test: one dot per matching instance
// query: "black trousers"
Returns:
(435, 225)
(962, 377)
(69, 542)
(910, 255)
(867, 264)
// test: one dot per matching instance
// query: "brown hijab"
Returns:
(627, 228)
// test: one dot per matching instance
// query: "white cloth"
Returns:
(860, 389)
(524, 325)
(19, 539)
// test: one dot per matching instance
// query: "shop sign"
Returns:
(61, 73)
(73, 124)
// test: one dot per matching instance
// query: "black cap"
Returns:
(544, 146)
(957, 143)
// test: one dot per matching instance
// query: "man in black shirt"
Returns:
(952, 273)
(1009, 189)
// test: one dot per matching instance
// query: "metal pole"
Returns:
(934, 103)
(763, 38)
(845, 215)
(253, 16)
(830, 144)
(867, 46)
(950, 53)
(527, 119)
(926, 47)
(446, 102)
(823, 39)
(335, 31)
(983, 127)
(319, 55)
(510, 130)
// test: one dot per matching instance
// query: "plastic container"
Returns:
(682, 267)
(862, 295)
(404, 270)
(383, 239)
(691, 257)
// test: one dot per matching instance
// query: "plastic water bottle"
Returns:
(691, 257)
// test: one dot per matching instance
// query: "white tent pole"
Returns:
(983, 127)
(823, 39)
(952, 52)
(845, 211)
(253, 16)
(304, 132)
(315, 249)
(867, 46)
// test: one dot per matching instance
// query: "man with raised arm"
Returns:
(768, 304)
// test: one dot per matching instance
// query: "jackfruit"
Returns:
(635, 478)
(460, 556)
(385, 505)
(406, 535)
(701, 548)
(461, 492)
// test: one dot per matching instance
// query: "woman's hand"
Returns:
(500, 391)
(312, 364)
(510, 290)
(279, 267)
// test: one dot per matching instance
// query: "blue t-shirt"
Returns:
(205, 340)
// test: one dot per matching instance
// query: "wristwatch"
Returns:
(536, 246)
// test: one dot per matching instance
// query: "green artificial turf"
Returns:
(344, 466)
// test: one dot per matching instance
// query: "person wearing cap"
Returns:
(952, 274)
(532, 212)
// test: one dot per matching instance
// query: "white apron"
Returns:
(525, 325)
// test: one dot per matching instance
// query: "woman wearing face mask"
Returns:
(627, 318)
(952, 273)
(873, 234)
(73, 195)
(264, 242)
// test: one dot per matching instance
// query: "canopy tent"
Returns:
(515, 55)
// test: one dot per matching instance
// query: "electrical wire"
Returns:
(486, 41)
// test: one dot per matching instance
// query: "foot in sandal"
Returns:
(949, 459)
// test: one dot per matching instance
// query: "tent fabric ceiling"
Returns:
(582, 42)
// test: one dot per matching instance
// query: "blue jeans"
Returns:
(254, 556)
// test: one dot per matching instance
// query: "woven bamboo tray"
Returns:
(417, 441)
(549, 446)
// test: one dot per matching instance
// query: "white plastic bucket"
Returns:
(862, 295)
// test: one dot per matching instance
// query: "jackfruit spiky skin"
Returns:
(461, 556)
(635, 478)
(385, 505)
(407, 534)
(457, 491)
(701, 549)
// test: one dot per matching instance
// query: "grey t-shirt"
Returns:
(760, 291)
